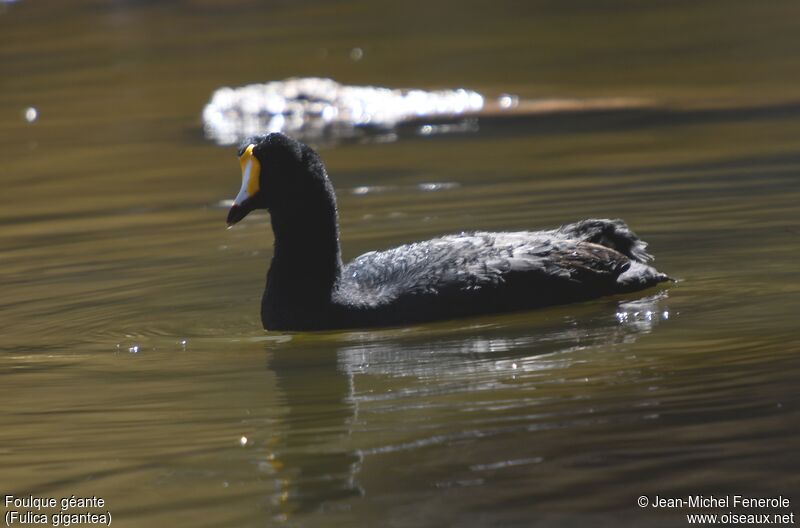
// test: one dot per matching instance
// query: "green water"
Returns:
(133, 364)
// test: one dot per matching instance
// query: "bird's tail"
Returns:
(614, 234)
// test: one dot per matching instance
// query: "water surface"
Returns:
(133, 362)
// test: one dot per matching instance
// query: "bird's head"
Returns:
(277, 173)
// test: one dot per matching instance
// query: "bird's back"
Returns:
(485, 272)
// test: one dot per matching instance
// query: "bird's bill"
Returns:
(237, 212)
(245, 200)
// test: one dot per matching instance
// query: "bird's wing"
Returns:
(474, 261)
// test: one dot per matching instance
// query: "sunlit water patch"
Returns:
(312, 108)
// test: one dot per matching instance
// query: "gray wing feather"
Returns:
(587, 250)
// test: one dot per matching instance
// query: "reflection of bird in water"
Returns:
(485, 350)
(308, 288)
(309, 456)
(345, 396)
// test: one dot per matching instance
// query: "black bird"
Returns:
(308, 287)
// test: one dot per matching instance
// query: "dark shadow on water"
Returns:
(614, 120)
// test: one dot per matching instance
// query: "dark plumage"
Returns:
(308, 288)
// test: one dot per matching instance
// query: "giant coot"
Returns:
(308, 287)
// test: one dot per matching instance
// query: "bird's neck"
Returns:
(307, 261)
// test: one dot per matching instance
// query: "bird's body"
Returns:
(308, 288)
(475, 273)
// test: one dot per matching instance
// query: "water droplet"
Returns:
(134, 349)
(31, 114)
(356, 54)
(507, 101)
(243, 441)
